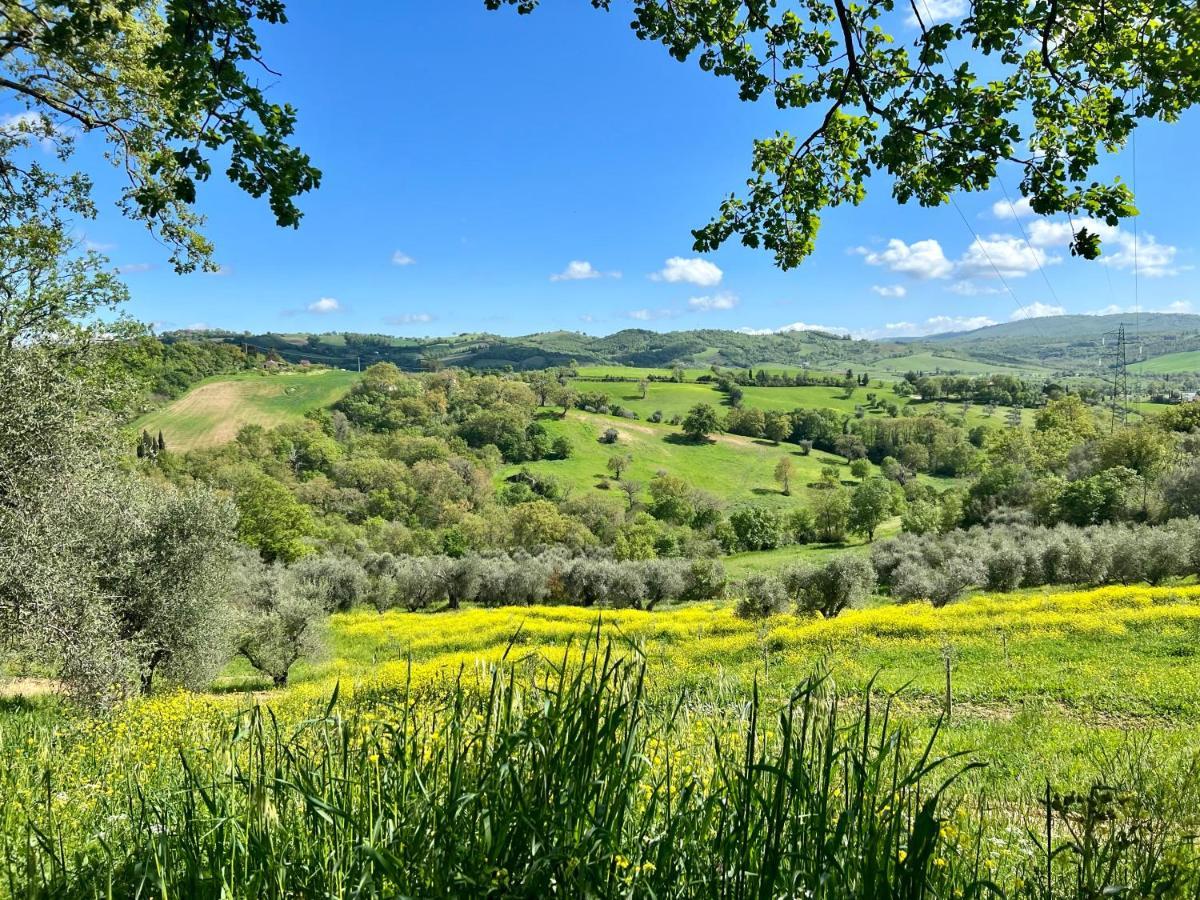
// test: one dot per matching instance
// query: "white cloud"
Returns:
(941, 324)
(400, 258)
(933, 325)
(134, 267)
(1011, 257)
(971, 289)
(1152, 259)
(1037, 310)
(1178, 307)
(1006, 211)
(695, 271)
(221, 272)
(933, 11)
(97, 246)
(723, 300)
(324, 306)
(409, 318)
(582, 270)
(195, 326)
(1059, 232)
(21, 121)
(576, 270)
(649, 315)
(922, 259)
(889, 290)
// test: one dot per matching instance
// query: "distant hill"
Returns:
(1074, 328)
(1079, 344)
(1056, 346)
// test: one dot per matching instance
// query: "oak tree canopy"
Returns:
(171, 86)
(936, 106)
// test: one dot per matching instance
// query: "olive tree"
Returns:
(277, 617)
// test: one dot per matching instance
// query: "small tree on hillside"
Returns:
(860, 469)
(783, 474)
(632, 489)
(643, 387)
(778, 427)
(831, 511)
(618, 463)
(700, 422)
(870, 504)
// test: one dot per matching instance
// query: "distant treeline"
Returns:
(997, 390)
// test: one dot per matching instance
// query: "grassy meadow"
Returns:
(734, 468)
(215, 409)
(437, 754)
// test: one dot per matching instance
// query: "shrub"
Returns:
(953, 579)
(706, 580)
(663, 580)
(757, 527)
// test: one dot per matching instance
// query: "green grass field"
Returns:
(673, 399)
(735, 469)
(214, 410)
(676, 399)
(1187, 362)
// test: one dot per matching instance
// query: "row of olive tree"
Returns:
(554, 576)
(939, 568)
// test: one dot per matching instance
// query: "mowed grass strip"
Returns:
(213, 411)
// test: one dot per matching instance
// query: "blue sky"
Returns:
(488, 171)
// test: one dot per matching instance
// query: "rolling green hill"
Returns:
(214, 410)
(1035, 348)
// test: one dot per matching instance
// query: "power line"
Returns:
(986, 255)
(1032, 251)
